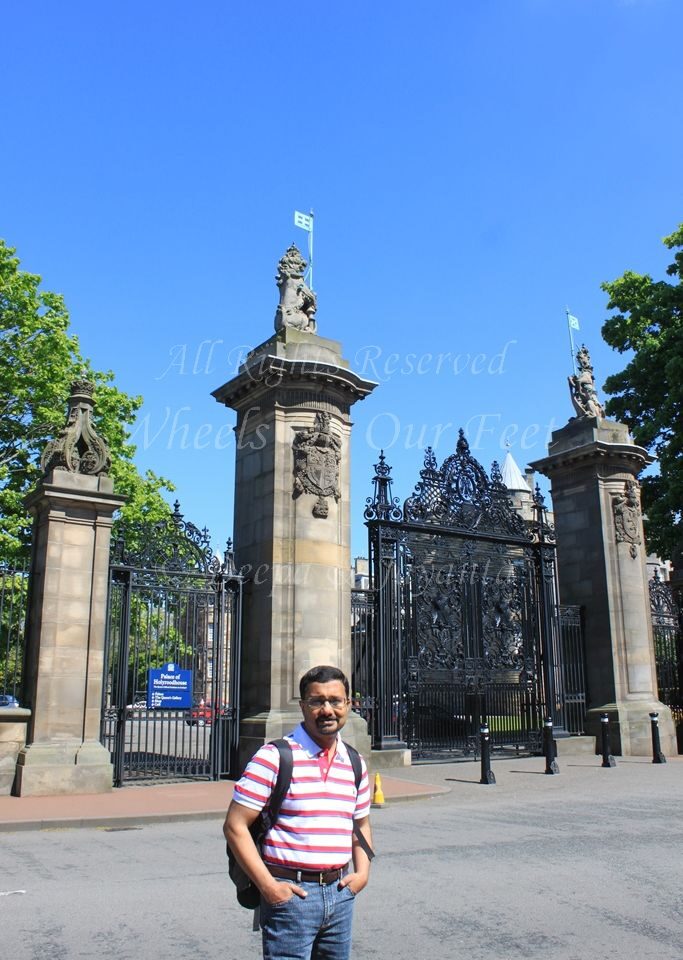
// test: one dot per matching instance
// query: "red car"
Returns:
(203, 714)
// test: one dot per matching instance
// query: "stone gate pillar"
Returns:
(293, 396)
(593, 465)
(72, 508)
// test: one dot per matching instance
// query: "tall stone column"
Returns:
(72, 509)
(293, 396)
(593, 465)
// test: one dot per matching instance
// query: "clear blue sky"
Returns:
(473, 166)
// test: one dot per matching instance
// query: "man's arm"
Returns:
(361, 862)
(236, 830)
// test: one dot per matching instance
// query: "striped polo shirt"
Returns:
(315, 826)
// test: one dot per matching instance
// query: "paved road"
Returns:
(582, 866)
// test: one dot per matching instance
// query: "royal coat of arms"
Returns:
(627, 521)
(317, 453)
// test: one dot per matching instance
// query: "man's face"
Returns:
(321, 719)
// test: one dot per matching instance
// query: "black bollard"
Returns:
(486, 771)
(549, 747)
(607, 758)
(657, 755)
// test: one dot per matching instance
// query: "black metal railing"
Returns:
(462, 620)
(188, 621)
(172, 601)
(573, 662)
(442, 718)
(14, 583)
(362, 647)
(667, 628)
(445, 718)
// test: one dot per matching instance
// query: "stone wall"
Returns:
(13, 723)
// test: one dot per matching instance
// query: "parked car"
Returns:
(204, 713)
(7, 700)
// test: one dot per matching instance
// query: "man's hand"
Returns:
(282, 892)
(357, 881)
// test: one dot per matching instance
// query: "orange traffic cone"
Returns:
(378, 795)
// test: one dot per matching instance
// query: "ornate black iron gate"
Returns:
(668, 639)
(171, 600)
(465, 620)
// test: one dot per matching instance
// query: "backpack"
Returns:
(248, 894)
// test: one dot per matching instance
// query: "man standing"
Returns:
(313, 866)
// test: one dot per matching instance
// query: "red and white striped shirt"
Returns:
(315, 826)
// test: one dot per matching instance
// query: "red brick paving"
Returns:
(145, 804)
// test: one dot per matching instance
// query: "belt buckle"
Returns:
(321, 880)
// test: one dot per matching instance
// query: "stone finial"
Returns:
(582, 388)
(297, 302)
(78, 448)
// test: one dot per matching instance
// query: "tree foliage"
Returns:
(648, 393)
(39, 358)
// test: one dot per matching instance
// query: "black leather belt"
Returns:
(323, 877)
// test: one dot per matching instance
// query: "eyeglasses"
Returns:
(317, 703)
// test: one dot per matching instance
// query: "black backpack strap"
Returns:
(281, 786)
(354, 757)
(357, 765)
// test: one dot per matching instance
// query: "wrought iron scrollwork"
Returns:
(542, 530)
(663, 606)
(465, 599)
(171, 544)
(448, 639)
(503, 639)
(439, 616)
(382, 505)
(459, 494)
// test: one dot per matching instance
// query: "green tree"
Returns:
(39, 358)
(648, 393)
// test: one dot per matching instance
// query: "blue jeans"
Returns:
(317, 928)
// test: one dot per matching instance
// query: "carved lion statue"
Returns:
(298, 303)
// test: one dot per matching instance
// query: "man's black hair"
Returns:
(322, 675)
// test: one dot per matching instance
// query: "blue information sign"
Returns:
(169, 688)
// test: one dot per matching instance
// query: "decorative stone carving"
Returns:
(582, 388)
(297, 302)
(317, 453)
(626, 509)
(78, 448)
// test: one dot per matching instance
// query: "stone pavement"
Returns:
(207, 800)
(198, 800)
(580, 866)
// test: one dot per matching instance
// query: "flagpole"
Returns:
(571, 342)
(305, 222)
(310, 253)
